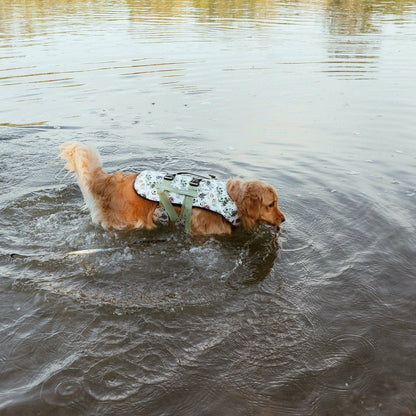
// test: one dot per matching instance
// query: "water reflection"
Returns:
(257, 256)
(352, 50)
(352, 17)
(344, 16)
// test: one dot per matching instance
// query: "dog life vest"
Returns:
(186, 190)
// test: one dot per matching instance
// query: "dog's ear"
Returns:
(248, 197)
(252, 204)
(235, 189)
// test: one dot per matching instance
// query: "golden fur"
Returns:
(113, 203)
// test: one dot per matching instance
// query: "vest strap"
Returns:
(164, 188)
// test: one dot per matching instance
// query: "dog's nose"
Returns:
(283, 219)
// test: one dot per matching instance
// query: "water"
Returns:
(317, 99)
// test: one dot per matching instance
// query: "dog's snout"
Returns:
(283, 218)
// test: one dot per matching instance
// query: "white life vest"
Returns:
(212, 194)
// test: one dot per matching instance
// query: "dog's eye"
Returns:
(271, 205)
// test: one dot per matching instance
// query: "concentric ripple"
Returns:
(113, 379)
(346, 363)
(64, 388)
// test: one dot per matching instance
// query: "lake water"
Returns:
(316, 98)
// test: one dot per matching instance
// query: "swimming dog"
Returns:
(115, 204)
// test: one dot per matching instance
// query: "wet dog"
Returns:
(114, 203)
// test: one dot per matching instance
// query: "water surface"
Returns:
(316, 98)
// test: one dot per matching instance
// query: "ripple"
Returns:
(345, 364)
(113, 379)
(244, 261)
(112, 339)
(291, 397)
(292, 250)
(64, 388)
(259, 359)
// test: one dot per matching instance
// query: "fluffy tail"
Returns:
(83, 160)
(86, 163)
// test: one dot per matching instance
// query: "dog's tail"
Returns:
(84, 160)
(86, 163)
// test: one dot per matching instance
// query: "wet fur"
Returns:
(114, 204)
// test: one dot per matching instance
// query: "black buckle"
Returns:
(169, 176)
(195, 182)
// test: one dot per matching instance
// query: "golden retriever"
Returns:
(114, 204)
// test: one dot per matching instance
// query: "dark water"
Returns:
(316, 98)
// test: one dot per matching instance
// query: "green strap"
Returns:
(164, 200)
(164, 188)
(186, 212)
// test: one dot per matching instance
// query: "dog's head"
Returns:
(256, 202)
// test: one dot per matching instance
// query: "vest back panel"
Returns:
(212, 193)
